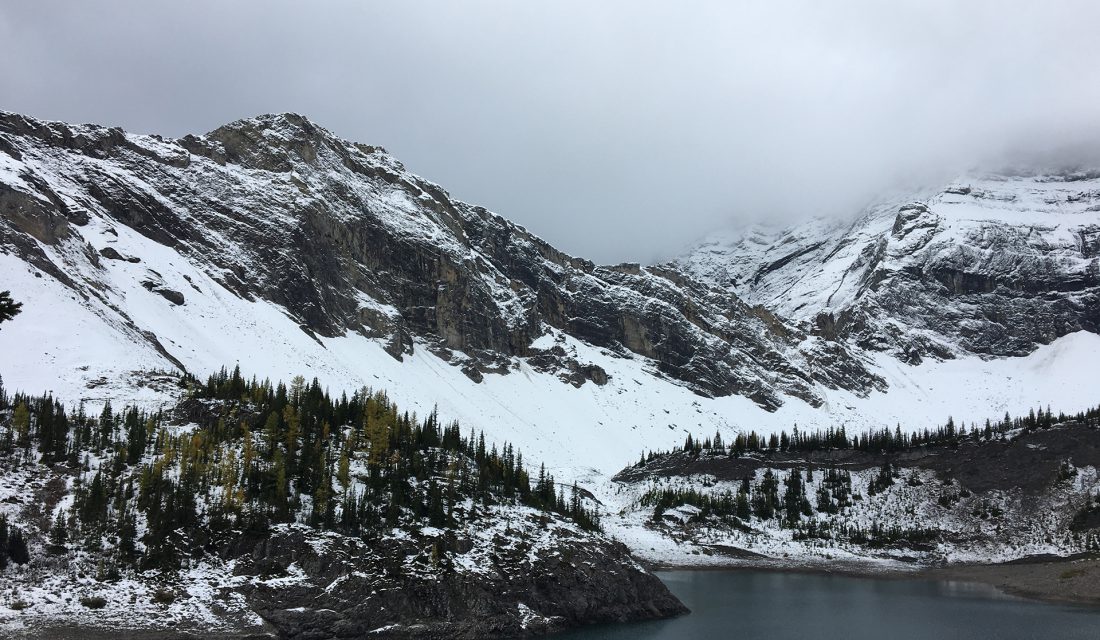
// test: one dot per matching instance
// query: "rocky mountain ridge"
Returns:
(343, 239)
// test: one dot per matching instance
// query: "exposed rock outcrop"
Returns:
(389, 588)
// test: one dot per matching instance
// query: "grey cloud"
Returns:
(616, 130)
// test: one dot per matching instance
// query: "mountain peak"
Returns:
(286, 124)
(274, 141)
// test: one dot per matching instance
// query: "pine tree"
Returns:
(21, 422)
(59, 533)
(271, 433)
(95, 502)
(3, 542)
(17, 547)
(8, 308)
(247, 456)
(281, 502)
(794, 498)
(765, 499)
(136, 436)
(744, 511)
(343, 472)
(127, 535)
(293, 423)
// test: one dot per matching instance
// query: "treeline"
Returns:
(875, 536)
(787, 501)
(874, 440)
(762, 500)
(254, 454)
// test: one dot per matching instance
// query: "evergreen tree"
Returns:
(17, 547)
(8, 308)
(21, 422)
(3, 542)
(744, 511)
(343, 472)
(59, 533)
(127, 535)
(765, 499)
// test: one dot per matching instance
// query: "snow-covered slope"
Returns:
(601, 427)
(981, 504)
(271, 244)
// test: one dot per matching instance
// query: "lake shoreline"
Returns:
(1072, 580)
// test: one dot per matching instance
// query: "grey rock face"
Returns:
(388, 588)
(343, 238)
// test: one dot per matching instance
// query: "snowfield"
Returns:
(63, 344)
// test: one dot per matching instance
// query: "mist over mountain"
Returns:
(648, 126)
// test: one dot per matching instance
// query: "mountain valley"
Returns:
(146, 264)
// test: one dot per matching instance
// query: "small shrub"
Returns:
(94, 602)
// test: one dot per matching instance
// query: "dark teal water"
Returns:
(781, 606)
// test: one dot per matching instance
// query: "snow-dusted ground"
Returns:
(205, 596)
(1025, 530)
(53, 590)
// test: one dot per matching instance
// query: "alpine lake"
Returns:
(748, 604)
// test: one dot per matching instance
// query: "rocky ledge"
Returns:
(515, 572)
(403, 587)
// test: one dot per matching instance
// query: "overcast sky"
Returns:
(615, 130)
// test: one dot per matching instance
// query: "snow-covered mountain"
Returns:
(994, 265)
(273, 244)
